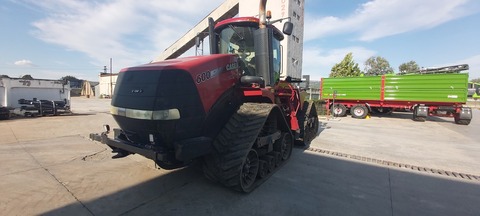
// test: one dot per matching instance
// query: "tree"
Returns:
(476, 80)
(346, 68)
(27, 77)
(69, 78)
(74, 82)
(408, 67)
(377, 65)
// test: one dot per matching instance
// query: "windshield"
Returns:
(239, 40)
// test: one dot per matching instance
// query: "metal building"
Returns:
(292, 45)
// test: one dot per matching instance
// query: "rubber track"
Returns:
(310, 136)
(234, 142)
(398, 165)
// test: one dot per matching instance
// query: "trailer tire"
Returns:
(416, 117)
(359, 111)
(339, 110)
(463, 121)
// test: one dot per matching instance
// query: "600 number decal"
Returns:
(207, 75)
(204, 77)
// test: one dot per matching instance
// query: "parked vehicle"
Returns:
(433, 94)
(4, 113)
(34, 96)
(37, 107)
(473, 90)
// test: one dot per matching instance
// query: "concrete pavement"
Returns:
(48, 166)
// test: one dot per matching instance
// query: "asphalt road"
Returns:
(49, 167)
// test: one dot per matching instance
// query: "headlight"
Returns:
(170, 114)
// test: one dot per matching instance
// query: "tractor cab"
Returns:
(258, 49)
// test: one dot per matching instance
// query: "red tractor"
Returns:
(228, 109)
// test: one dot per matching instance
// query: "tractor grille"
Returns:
(154, 90)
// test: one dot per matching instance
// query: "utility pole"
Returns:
(307, 85)
(111, 83)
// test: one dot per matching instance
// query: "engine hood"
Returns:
(193, 63)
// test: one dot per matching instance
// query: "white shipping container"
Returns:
(13, 89)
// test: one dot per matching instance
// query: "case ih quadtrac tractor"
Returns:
(228, 109)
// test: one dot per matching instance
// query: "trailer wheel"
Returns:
(461, 121)
(359, 111)
(416, 117)
(339, 110)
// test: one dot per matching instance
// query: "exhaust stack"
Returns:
(262, 14)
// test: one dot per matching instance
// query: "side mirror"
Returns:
(288, 28)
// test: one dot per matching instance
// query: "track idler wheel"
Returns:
(278, 158)
(263, 169)
(284, 146)
(249, 170)
(270, 162)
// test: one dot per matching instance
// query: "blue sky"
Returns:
(54, 38)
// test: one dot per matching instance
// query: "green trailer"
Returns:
(442, 94)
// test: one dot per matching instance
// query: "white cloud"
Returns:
(23, 62)
(380, 18)
(318, 63)
(131, 32)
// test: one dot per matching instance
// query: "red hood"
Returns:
(186, 63)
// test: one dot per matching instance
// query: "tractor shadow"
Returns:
(309, 184)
